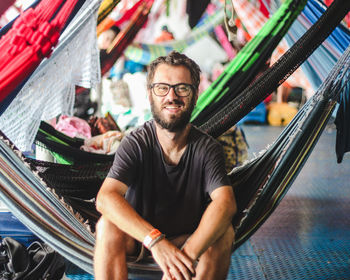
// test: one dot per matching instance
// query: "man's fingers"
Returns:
(188, 262)
(181, 267)
(176, 272)
(165, 269)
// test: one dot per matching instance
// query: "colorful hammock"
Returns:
(29, 199)
(323, 59)
(253, 20)
(50, 90)
(320, 62)
(145, 53)
(122, 40)
(108, 22)
(105, 9)
(231, 112)
(67, 147)
(126, 36)
(248, 62)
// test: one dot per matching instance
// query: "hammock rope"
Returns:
(247, 64)
(31, 39)
(233, 111)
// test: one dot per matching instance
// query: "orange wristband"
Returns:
(154, 234)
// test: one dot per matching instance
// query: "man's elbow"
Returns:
(231, 208)
(100, 201)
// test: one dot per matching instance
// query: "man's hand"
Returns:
(174, 263)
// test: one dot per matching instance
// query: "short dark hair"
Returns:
(175, 58)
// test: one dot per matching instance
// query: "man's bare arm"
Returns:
(110, 202)
(112, 205)
(214, 223)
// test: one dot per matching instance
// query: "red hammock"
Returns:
(31, 39)
(108, 22)
(126, 36)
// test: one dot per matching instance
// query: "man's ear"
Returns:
(196, 97)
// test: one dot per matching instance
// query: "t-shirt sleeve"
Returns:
(215, 172)
(125, 161)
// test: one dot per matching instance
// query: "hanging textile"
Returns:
(145, 53)
(126, 36)
(31, 39)
(50, 91)
(195, 11)
(249, 98)
(253, 19)
(105, 9)
(123, 39)
(342, 122)
(321, 61)
(108, 22)
(263, 182)
(67, 147)
(247, 64)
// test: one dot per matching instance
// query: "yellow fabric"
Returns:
(105, 8)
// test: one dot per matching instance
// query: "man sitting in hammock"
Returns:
(167, 190)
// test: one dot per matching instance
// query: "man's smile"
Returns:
(173, 108)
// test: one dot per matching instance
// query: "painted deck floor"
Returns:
(308, 235)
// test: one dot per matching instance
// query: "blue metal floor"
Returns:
(308, 235)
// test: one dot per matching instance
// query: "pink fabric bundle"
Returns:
(73, 127)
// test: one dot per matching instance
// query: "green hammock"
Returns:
(67, 149)
(248, 62)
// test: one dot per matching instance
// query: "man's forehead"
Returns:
(169, 70)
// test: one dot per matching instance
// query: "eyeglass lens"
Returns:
(162, 89)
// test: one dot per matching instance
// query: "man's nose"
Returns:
(171, 94)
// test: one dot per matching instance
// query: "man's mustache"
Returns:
(174, 102)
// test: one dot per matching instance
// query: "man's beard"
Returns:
(175, 124)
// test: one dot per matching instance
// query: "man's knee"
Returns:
(106, 231)
(109, 234)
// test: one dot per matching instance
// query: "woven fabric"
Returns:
(253, 19)
(248, 63)
(249, 98)
(324, 58)
(51, 89)
(105, 9)
(145, 53)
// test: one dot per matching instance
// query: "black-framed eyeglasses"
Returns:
(181, 89)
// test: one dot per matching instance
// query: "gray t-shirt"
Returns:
(171, 198)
